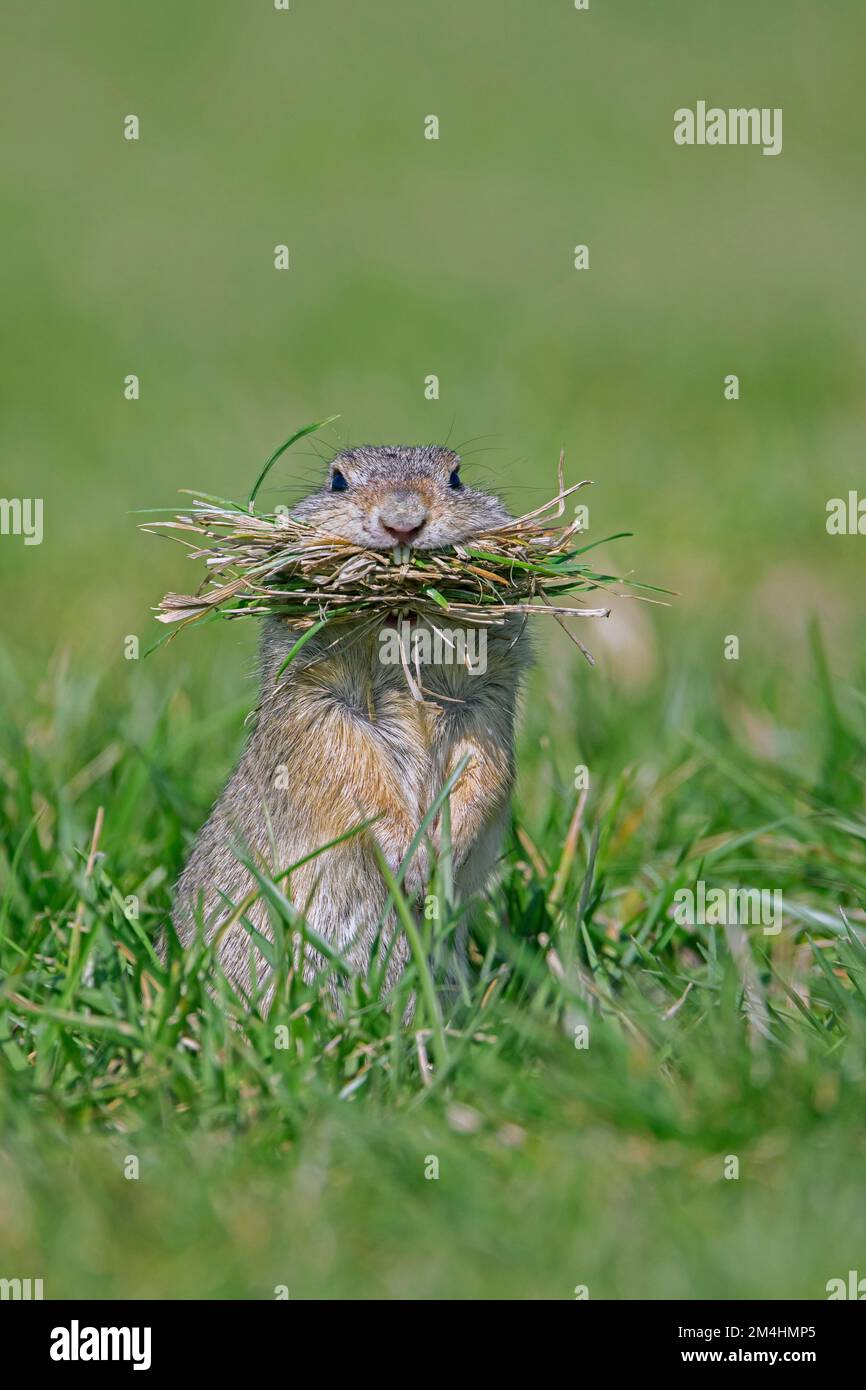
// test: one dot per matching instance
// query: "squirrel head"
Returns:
(379, 496)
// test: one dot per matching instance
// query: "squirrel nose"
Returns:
(402, 534)
(402, 516)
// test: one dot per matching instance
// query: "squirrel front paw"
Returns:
(394, 842)
(416, 875)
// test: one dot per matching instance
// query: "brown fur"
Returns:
(339, 739)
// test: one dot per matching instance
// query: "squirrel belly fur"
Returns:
(339, 740)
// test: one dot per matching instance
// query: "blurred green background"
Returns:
(453, 257)
(412, 257)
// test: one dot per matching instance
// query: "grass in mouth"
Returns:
(265, 563)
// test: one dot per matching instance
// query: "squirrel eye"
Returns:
(454, 480)
(338, 482)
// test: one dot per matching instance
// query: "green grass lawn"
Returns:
(559, 1166)
(299, 1151)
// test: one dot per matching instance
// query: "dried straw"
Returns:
(260, 564)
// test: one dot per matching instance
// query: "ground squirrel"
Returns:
(339, 738)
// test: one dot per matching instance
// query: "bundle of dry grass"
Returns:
(259, 564)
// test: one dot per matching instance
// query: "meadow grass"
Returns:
(557, 1166)
(297, 1150)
